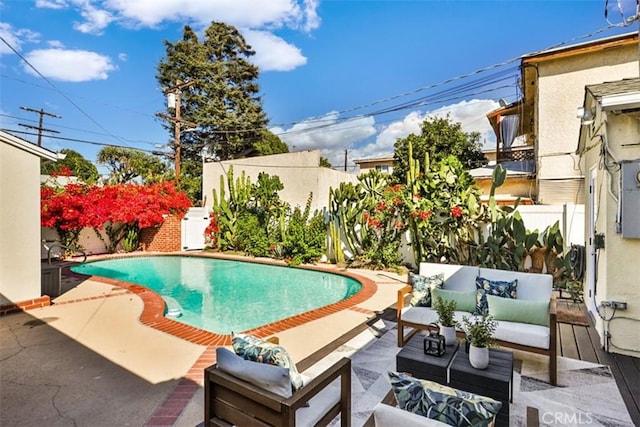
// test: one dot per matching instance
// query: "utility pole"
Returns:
(173, 97)
(39, 128)
(345, 160)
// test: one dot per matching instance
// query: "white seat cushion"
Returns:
(421, 315)
(523, 333)
(319, 405)
(392, 416)
(427, 315)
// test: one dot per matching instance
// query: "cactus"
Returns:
(228, 209)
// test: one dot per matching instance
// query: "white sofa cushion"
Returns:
(522, 333)
(456, 277)
(319, 405)
(391, 416)
(420, 315)
(268, 377)
(531, 286)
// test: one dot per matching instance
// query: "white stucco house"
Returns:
(536, 134)
(609, 154)
(20, 222)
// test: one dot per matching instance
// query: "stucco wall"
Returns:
(618, 267)
(561, 89)
(299, 173)
(19, 225)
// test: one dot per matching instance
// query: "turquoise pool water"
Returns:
(222, 296)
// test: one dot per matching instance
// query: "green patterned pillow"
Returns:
(258, 350)
(422, 285)
(498, 288)
(442, 403)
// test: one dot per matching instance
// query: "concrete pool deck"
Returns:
(89, 359)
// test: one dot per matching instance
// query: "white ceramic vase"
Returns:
(449, 334)
(479, 357)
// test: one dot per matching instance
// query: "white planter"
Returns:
(479, 357)
(449, 334)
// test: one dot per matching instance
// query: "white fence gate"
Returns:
(193, 225)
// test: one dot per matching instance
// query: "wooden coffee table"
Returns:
(411, 359)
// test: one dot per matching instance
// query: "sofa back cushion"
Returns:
(531, 286)
(268, 377)
(256, 349)
(456, 277)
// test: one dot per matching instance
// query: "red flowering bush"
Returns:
(117, 209)
(212, 230)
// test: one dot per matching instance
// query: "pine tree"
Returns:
(223, 98)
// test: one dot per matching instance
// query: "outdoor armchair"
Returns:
(232, 400)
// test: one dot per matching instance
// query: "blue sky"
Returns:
(335, 75)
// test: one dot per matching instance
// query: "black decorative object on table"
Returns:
(434, 343)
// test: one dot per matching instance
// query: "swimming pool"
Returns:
(222, 296)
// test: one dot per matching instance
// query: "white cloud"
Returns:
(272, 52)
(15, 37)
(328, 133)
(257, 18)
(51, 4)
(472, 115)
(122, 57)
(69, 65)
(332, 136)
(55, 44)
(95, 20)
(240, 13)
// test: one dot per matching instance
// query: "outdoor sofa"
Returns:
(520, 323)
(387, 415)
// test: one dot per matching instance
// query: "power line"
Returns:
(400, 107)
(40, 128)
(82, 130)
(83, 141)
(56, 88)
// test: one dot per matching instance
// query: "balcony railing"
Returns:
(516, 154)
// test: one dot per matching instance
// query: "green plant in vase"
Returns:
(448, 325)
(479, 332)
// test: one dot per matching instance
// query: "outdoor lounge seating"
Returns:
(387, 415)
(244, 393)
(532, 289)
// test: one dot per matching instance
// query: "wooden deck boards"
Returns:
(583, 343)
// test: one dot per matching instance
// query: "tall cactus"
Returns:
(228, 209)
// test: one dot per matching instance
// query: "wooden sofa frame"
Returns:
(229, 400)
(553, 333)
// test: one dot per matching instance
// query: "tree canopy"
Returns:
(128, 165)
(80, 167)
(439, 138)
(222, 98)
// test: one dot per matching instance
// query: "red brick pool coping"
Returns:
(154, 305)
(168, 413)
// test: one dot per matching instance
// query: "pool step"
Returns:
(173, 308)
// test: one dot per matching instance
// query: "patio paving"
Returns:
(89, 361)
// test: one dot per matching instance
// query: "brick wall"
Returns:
(164, 238)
